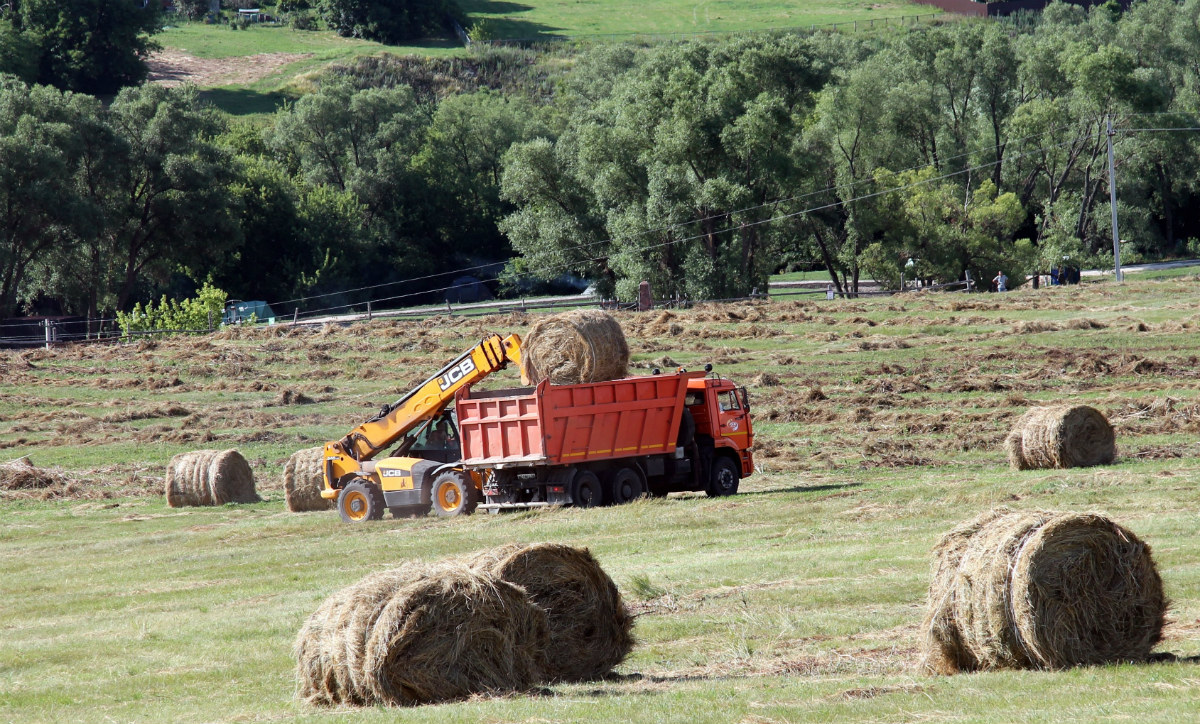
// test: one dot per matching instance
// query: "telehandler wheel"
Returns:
(359, 501)
(724, 478)
(586, 490)
(625, 485)
(454, 494)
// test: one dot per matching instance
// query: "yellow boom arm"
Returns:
(343, 458)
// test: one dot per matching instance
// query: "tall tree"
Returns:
(89, 46)
(39, 148)
(389, 21)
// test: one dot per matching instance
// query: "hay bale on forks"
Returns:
(209, 477)
(584, 345)
(303, 481)
(1063, 436)
(590, 628)
(1040, 590)
(420, 634)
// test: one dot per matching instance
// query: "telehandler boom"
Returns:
(364, 487)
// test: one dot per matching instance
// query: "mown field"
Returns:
(880, 423)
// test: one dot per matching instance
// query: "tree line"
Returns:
(702, 166)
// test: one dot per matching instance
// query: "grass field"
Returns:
(797, 600)
(229, 65)
(541, 18)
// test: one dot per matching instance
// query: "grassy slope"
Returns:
(797, 600)
(540, 18)
(533, 20)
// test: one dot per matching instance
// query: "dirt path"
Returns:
(171, 67)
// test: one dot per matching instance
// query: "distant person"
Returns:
(1053, 276)
(1001, 282)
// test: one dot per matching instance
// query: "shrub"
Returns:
(174, 316)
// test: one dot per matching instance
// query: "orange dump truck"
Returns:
(606, 442)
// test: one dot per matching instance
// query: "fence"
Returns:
(1004, 8)
(48, 332)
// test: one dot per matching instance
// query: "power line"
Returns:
(657, 230)
(759, 222)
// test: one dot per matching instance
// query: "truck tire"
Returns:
(359, 501)
(625, 486)
(586, 491)
(724, 477)
(453, 494)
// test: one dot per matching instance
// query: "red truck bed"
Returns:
(571, 424)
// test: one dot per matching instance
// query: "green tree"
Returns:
(157, 191)
(680, 162)
(304, 235)
(18, 54)
(89, 46)
(388, 21)
(944, 236)
(39, 149)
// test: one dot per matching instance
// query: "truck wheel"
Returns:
(454, 494)
(625, 486)
(724, 477)
(586, 491)
(359, 501)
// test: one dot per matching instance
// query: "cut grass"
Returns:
(797, 600)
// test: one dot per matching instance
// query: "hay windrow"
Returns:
(303, 481)
(1040, 590)
(1063, 436)
(578, 346)
(420, 634)
(590, 627)
(209, 477)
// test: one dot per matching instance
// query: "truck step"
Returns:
(494, 508)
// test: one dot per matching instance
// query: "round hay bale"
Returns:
(420, 634)
(573, 347)
(209, 477)
(1040, 590)
(303, 481)
(590, 628)
(1063, 436)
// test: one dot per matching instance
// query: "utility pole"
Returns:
(1112, 198)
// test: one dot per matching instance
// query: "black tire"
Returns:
(625, 485)
(724, 477)
(360, 501)
(453, 493)
(586, 490)
(687, 429)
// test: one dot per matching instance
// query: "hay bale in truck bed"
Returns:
(303, 481)
(590, 628)
(1063, 436)
(209, 477)
(420, 634)
(1040, 590)
(584, 345)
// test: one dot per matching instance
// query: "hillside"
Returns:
(255, 69)
(879, 422)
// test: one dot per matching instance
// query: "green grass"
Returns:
(542, 18)
(798, 600)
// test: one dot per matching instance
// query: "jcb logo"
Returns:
(464, 368)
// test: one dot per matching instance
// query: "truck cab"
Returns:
(721, 412)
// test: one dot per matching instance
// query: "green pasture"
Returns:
(798, 600)
(535, 19)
